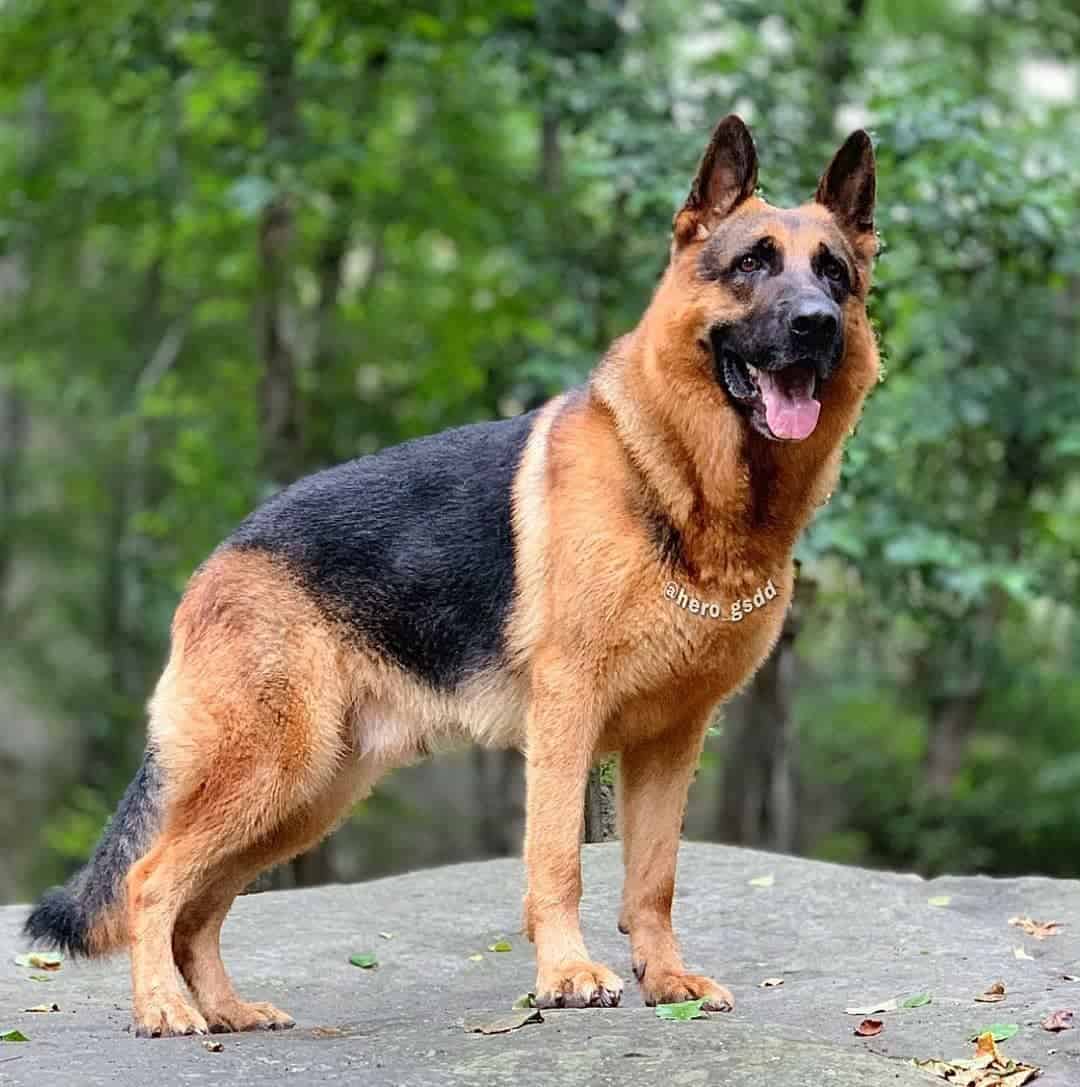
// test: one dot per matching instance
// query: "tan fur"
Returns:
(270, 720)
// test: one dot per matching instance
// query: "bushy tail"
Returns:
(88, 915)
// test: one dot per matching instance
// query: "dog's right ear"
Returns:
(726, 177)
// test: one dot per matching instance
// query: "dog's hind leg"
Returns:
(197, 934)
(212, 844)
(251, 730)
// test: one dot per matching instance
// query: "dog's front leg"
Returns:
(654, 777)
(560, 741)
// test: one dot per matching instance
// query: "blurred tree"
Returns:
(240, 244)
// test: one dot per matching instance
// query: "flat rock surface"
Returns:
(839, 937)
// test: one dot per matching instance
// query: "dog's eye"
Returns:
(749, 263)
(833, 269)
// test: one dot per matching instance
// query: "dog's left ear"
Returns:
(848, 188)
(725, 178)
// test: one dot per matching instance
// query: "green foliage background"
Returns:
(392, 218)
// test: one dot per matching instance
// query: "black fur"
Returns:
(411, 547)
(65, 915)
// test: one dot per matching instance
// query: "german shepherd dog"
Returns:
(509, 582)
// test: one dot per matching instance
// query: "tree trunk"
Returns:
(279, 396)
(759, 799)
(14, 429)
(497, 794)
(600, 818)
(759, 802)
(952, 720)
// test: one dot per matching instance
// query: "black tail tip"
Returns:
(58, 921)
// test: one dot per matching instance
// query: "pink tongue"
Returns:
(791, 412)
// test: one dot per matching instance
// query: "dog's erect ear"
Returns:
(848, 186)
(726, 177)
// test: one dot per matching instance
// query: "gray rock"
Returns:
(838, 936)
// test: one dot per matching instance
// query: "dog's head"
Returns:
(772, 293)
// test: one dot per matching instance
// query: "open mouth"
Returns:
(781, 402)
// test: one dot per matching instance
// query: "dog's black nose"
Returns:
(814, 325)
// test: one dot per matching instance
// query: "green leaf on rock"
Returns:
(13, 1036)
(501, 945)
(920, 1000)
(365, 960)
(1001, 1032)
(683, 1011)
(939, 900)
(763, 881)
(526, 1000)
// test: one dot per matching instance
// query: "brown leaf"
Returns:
(1039, 929)
(482, 1023)
(985, 1046)
(40, 960)
(1056, 1021)
(43, 1008)
(869, 1027)
(994, 995)
(327, 1032)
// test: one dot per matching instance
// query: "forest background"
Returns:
(239, 242)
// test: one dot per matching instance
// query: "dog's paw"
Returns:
(167, 1017)
(238, 1015)
(578, 984)
(673, 988)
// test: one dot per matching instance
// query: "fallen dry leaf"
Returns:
(876, 1009)
(43, 1008)
(988, 1069)
(482, 1023)
(869, 1027)
(994, 995)
(212, 1046)
(40, 960)
(1069, 977)
(1020, 953)
(1057, 1021)
(1039, 929)
(771, 983)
